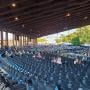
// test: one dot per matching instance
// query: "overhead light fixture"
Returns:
(13, 5)
(16, 18)
(85, 17)
(30, 29)
(68, 14)
(23, 25)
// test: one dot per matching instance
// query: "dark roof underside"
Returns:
(42, 17)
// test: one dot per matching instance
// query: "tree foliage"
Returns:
(42, 40)
(75, 41)
(82, 34)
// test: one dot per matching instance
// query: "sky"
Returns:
(51, 38)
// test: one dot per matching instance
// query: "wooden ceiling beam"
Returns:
(61, 29)
(52, 17)
(56, 22)
(46, 8)
(56, 15)
(48, 19)
(10, 2)
(47, 11)
(30, 6)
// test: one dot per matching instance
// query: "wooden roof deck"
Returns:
(42, 17)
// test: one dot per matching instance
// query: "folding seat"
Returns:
(87, 82)
(2, 85)
(11, 81)
(81, 87)
(35, 82)
(69, 85)
(64, 85)
(49, 87)
(75, 85)
(20, 87)
(42, 85)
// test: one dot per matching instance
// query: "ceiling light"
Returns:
(13, 5)
(23, 25)
(16, 18)
(68, 14)
(85, 17)
(30, 29)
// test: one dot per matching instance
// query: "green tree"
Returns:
(42, 40)
(75, 41)
(83, 33)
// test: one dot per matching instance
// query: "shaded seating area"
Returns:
(26, 64)
(46, 75)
